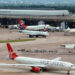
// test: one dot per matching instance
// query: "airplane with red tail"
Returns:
(33, 32)
(37, 64)
(34, 27)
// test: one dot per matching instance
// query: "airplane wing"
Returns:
(17, 65)
(57, 59)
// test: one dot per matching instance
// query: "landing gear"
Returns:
(37, 36)
(68, 73)
(44, 36)
(30, 36)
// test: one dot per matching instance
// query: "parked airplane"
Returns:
(32, 33)
(68, 29)
(37, 64)
(13, 26)
(35, 33)
(52, 28)
(38, 27)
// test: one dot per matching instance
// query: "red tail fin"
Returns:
(21, 23)
(12, 54)
(9, 48)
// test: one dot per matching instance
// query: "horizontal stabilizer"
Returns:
(57, 59)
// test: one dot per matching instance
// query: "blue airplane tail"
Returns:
(21, 27)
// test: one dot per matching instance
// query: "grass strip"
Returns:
(23, 40)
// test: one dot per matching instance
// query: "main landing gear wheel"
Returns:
(37, 36)
(30, 36)
(68, 73)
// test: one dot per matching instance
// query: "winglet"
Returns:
(12, 54)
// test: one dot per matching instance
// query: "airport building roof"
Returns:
(33, 12)
(36, 14)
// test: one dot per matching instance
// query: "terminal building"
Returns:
(33, 17)
(33, 12)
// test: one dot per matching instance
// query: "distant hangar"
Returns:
(33, 12)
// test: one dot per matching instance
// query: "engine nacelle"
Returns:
(36, 69)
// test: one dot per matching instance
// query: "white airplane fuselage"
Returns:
(50, 64)
(42, 27)
(34, 33)
(38, 27)
(13, 26)
(70, 30)
(52, 28)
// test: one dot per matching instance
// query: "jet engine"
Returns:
(36, 69)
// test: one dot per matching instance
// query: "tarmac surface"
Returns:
(48, 48)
